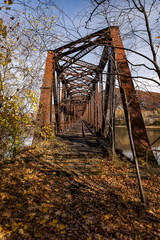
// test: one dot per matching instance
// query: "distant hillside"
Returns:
(149, 101)
(150, 107)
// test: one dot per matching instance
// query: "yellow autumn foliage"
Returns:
(12, 126)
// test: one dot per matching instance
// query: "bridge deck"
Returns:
(83, 155)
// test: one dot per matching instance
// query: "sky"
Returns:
(70, 9)
(76, 12)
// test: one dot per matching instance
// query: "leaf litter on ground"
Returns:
(43, 199)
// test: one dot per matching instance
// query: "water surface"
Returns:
(122, 140)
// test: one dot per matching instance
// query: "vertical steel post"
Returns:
(56, 104)
(94, 105)
(101, 100)
(45, 104)
(97, 127)
(62, 106)
(111, 132)
(106, 97)
(138, 129)
(88, 112)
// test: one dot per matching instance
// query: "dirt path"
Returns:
(65, 189)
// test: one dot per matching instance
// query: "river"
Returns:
(122, 140)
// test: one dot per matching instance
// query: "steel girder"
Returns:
(77, 86)
(45, 105)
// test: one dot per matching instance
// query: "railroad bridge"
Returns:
(76, 89)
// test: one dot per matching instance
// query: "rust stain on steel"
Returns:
(137, 123)
(44, 112)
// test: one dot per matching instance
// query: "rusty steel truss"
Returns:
(73, 88)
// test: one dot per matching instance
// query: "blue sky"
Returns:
(72, 7)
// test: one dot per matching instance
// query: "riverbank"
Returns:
(153, 126)
(42, 199)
